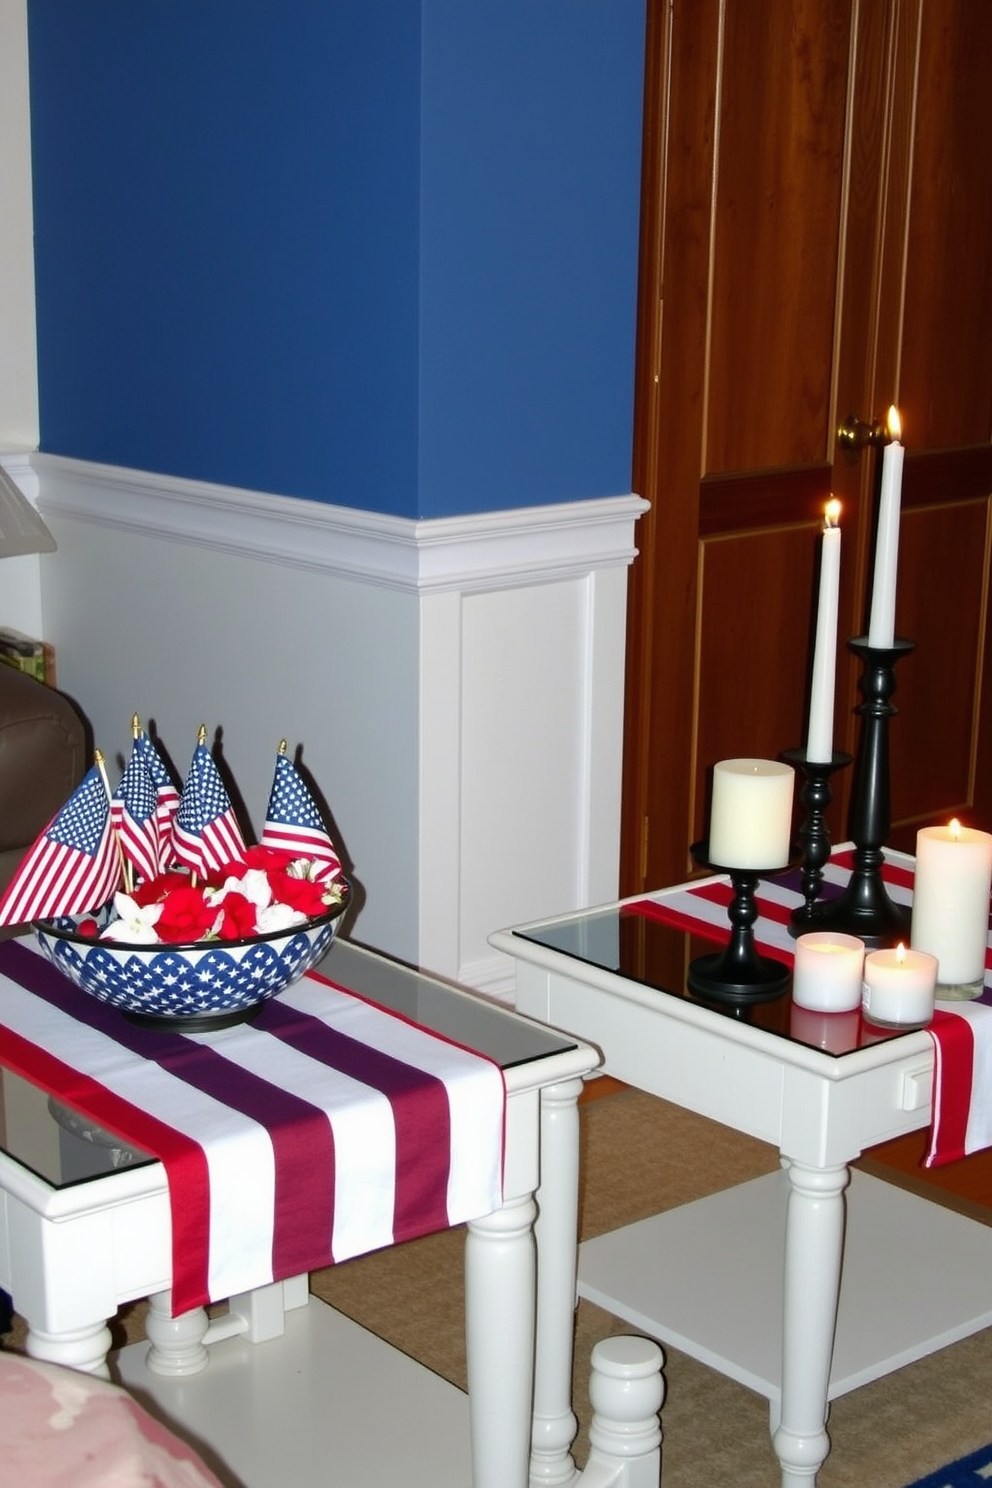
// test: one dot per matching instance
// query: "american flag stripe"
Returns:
(306, 1161)
(166, 795)
(953, 1077)
(132, 813)
(302, 844)
(56, 880)
(73, 866)
(294, 824)
(205, 831)
(135, 1126)
(139, 845)
(421, 1170)
(216, 845)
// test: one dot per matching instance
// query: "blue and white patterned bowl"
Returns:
(202, 985)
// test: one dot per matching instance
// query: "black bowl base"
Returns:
(193, 1022)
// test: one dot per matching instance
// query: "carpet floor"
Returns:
(642, 1155)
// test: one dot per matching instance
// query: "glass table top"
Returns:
(64, 1148)
(656, 955)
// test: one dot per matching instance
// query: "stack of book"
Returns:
(37, 658)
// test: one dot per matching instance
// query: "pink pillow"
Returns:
(65, 1429)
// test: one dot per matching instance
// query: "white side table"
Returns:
(755, 1281)
(291, 1385)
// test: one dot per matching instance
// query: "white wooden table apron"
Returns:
(802, 1284)
(72, 1255)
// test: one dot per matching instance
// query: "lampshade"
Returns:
(21, 528)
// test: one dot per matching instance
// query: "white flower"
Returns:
(254, 885)
(278, 917)
(136, 922)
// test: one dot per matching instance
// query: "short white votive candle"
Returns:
(828, 972)
(951, 901)
(899, 987)
(751, 815)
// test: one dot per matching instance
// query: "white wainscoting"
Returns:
(457, 685)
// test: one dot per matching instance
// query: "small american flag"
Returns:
(294, 824)
(166, 794)
(133, 814)
(205, 832)
(73, 867)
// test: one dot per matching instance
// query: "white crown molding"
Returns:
(489, 550)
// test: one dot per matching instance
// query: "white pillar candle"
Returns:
(881, 626)
(828, 972)
(951, 901)
(819, 740)
(751, 815)
(899, 987)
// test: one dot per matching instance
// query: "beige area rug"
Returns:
(641, 1155)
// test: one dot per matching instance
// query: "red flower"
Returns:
(298, 893)
(185, 915)
(238, 920)
(88, 928)
(269, 859)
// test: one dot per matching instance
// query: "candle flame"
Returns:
(900, 953)
(894, 424)
(831, 512)
(954, 827)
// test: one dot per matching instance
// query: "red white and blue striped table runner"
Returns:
(961, 1031)
(326, 1128)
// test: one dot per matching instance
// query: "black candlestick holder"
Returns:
(738, 974)
(816, 796)
(864, 908)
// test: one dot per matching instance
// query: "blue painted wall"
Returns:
(381, 253)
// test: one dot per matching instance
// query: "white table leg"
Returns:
(177, 1343)
(500, 1279)
(76, 1348)
(814, 1237)
(554, 1427)
(626, 1389)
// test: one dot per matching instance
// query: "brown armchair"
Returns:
(43, 757)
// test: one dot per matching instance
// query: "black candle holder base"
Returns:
(723, 978)
(739, 974)
(865, 909)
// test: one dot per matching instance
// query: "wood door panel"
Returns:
(761, 498)
(776, 233)
(941, 604)
(948, 297)
(755, 622)
(817, 243)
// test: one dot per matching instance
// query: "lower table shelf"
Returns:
(326, 1402)
(707, 1279)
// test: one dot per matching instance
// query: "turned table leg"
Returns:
(177, 1343)
(499, 1328)
(75, 1348)
(554, 1427)
(814, 1238)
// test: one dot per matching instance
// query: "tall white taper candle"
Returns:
(881, 626)
(819, 740)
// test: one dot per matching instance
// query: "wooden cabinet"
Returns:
(816, 243)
